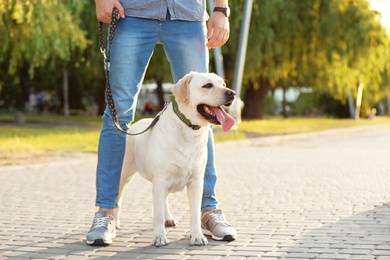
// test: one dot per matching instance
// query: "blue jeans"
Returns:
(132, 47)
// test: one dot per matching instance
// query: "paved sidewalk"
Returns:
(314, 196)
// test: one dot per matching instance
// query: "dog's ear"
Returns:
(180, 89)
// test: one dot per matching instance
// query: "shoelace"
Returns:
(100, 222)
(219, 218)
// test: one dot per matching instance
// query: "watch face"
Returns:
(227, 12)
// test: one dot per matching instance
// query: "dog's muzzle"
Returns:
(217, 115)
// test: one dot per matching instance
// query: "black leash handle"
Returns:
(106, 54)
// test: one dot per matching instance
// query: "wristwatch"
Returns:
(224, 10)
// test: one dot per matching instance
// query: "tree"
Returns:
(356, 46)
(323, 44)
(159, 71)
(36, 33)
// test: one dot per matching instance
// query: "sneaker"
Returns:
(215, 225)
(102, 230)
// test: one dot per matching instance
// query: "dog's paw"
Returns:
(170, 223)
(198, 240)
(160, 241)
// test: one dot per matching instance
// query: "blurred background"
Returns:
(310, 58)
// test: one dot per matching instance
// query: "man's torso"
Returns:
(187, 10)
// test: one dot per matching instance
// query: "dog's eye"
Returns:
(208, 85)
(226, 82)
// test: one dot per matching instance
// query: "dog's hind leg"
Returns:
(169, 220)
(118, 210)
(128, 171)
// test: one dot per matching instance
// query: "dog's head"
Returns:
(200, 97)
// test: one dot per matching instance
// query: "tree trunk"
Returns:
(254, 99)
(20, 102)
(160, 93)
(66, 92)
(359, 100)
(284, 103)
(388, 103)
(350, 104)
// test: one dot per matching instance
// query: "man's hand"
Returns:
(104, 10)
(217, 30)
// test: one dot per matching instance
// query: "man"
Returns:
(180, 26)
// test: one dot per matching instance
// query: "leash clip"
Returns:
(106, 63)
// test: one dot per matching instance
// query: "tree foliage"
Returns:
(356, 48)
(39, 31)
(37, 36)
(329, 45)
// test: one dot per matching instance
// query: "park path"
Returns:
(323, 195)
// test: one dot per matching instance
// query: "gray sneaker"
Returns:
(215, 225)
(102, 230)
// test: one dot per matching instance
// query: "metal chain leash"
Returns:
(106, 55)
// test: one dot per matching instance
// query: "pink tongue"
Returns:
(224, 118)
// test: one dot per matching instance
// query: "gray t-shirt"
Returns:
(187, 10)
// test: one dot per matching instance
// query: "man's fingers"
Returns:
(121, 10)
(209, 31)
(217, 39)
(104, 10)
(105, 18)
(217, 30)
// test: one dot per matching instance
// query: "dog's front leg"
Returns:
(160, 193)
(194, 191)
(169, 220)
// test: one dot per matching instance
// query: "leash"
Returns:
(106, 55)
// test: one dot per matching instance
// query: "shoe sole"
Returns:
(225, 238)
(101, 242)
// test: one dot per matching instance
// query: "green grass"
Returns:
(280, 126)
(80, 134)
(14, 139)
(93, 121)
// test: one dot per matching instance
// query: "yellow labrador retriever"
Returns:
(172, 155)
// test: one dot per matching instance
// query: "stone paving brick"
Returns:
(383, 247)
(301, 256)
(334, 256)
(317, 196)
(382, 258)
(323, 251)
(381, 253)
(292, 250)
(361, 257)
(246, 254)
(201, 257)
(368, 247)
(274, 254)
(233, 258)
(128, 255)
(173, 257)
(71, 257)
(355, 251)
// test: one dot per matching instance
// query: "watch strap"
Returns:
(222, 10)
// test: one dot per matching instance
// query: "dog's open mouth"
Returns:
(216, 116)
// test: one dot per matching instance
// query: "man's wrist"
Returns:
(221, 3)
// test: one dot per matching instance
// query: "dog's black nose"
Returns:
(230, 93)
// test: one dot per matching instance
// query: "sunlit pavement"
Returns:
(323, 195)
